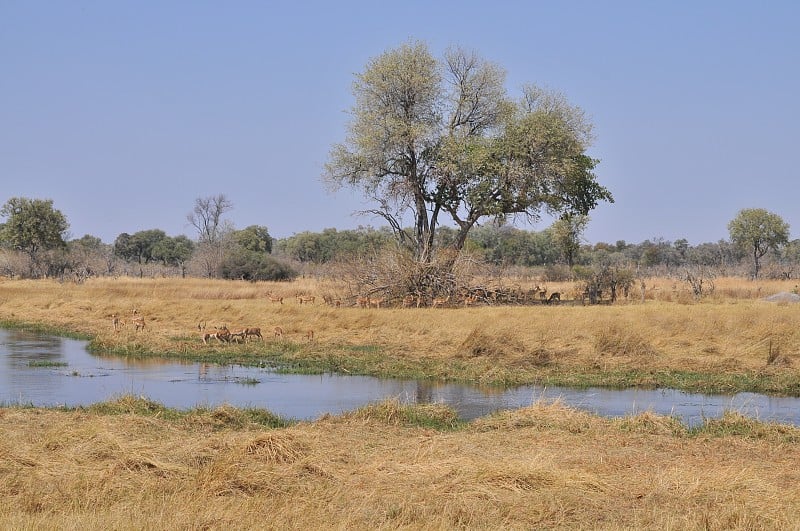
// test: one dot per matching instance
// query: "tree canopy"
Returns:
(33, 226)
(444, 138)
(254, 238)
(757, 230)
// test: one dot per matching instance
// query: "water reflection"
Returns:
(85, 379)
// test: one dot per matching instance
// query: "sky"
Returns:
(124, 113)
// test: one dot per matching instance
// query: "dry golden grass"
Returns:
(737, 334)
(545, 466)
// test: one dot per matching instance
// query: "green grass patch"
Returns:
(392, 412)
(46, 363)
(247, 381)
(216, 419)
(41, 328)
(734, 424)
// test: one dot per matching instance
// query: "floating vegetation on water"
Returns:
(46, 363)
(247, 381)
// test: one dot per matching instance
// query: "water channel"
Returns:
(43, 370)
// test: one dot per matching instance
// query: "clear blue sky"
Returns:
(124, 112)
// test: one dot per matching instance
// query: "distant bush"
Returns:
(249, 265)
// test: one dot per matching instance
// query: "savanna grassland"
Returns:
(731, 341)
(133, 464)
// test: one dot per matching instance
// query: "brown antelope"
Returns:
(201, 326)
(222, 335)
(116, 322)
(440, 301)
(310, 335)
(376, 302)
(275, 298)
(469, 300)
(554, 297)
(362, 302)
(278, 331)
(307, 299)
(408, 300)
(223, 332)
(542, 293)
(237, 336)
(138, 323)
(253, 332)
(330, 301)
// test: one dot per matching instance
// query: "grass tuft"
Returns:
(618, 341)
(651, 423)
(735, 424)
(392, 412)
(276, 448)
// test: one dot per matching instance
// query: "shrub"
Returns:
(250, 265)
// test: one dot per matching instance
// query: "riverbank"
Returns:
(727, 344)
(132, 464)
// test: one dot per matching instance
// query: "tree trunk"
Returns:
(757, 266)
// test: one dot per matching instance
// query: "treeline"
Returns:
(33, 244)
(252, 254)
(509, 246)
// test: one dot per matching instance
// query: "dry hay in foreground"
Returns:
(545, 466)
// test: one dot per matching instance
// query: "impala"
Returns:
(138, 323)
(275, 298)
(362, 302)
(377, 302)
(237, 336)
(278, 331)
(554, 297)
(440, 301)
(117, 322)
(543, 293)
(330, 301)
(308, 299)
(469, 300)
(253, 332)
(222, 334)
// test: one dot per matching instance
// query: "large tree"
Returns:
(139, 246)
(756, 231)
(33, 226)
(443, 137)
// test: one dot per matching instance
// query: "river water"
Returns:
(43, 370)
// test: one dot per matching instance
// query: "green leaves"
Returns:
(33, 225)
(430, 137)
(757, 231)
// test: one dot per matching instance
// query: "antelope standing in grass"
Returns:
(440, 301)
(253, 332)
(223, 335)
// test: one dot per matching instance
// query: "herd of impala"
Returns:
(240, 335)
